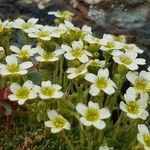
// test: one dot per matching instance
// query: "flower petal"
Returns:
(52, 114)
(26, 65)
(91, 77)
(67, 126)
(93, 105)
(140, 61)
(77, 44)
(14, 87)
(46, 84)
(58, 94)
(72, 76)
(33, 20)
(109, 90)
(49, 124)
(85, 122)
(14, 48)
(143, 129)
(21, 102)
(11, 59)
(123, 106)
(55, 130)
(103, 73)
(100, 124)
(84, 58)
(66, 48)
(132, 76)
(28, 84)
(144, 114)
(12, 97)
(104, 113)
(81, 108)
(69, 56)
(94, 91)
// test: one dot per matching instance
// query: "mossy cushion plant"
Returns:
(81, 88)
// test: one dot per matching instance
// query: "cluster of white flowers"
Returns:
(80, 51)
(30, 91)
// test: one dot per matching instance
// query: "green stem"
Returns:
(90, 142)
(67, 140)
(81, 137)
(101, 98)
(61, 70)
(46, 74)
(100, 136)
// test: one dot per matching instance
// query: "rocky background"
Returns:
(128, 17)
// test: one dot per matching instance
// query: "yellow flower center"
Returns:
(77, 53)
(125, 60)
(141, 85)
(26, 25)
(147, 140)
(43, 34)
(47, 91)
(13, 68)
(22, 93)
(59, 122)
(48, 56)
(101, 83)
(24, 54)
(92, 114)
(110, 45)
(133, 107)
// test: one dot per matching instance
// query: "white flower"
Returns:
(26, 26)
(113, 45)
(45, 56)
(66, 15)
(76, 52)
(70, 26)
(47, 90)
(56, 122)
(44, 33)
(144, 136)
(128, 59)
(105, 148)
(111, 38)
(86, 30)
(5, 24)
(135, 108)
(22, 93)
(25, 52)
(61, 29)
(132, 47)
(97, 63)
(100, 82)
(93, 40)
(13, 67)
(75, 72)
(148, 68)
(92, 115)
(140, 82)
(108, 37)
